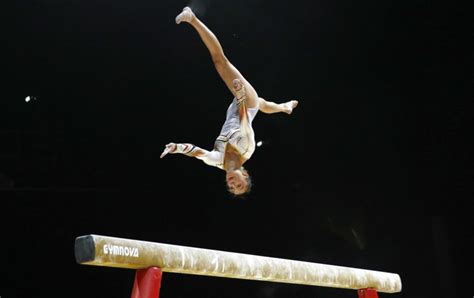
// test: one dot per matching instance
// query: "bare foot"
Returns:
(289, 106)
(186, 15)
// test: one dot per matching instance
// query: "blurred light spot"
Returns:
(30, 98)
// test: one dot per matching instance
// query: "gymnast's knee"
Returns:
(219, 60)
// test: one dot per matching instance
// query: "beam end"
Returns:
(84, 249)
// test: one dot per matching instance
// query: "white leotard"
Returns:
(232, 132)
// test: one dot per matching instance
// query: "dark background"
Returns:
(372, 170)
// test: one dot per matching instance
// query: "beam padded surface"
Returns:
(134, 254)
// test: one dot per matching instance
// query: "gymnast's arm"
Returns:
(212, 158)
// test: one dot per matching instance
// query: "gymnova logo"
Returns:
(117, 250)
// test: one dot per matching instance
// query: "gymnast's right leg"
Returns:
(226, 70)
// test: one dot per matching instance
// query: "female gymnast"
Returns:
(236, 141)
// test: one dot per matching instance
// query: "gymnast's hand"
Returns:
(170, 148)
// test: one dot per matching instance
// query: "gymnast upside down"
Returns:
(236, 141)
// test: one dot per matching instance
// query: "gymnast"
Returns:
(236, 141)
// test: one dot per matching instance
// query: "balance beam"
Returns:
(134, 254)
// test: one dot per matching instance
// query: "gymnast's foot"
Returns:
(187, 15)
(289, 106)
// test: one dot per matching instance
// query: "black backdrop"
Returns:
(371, 170)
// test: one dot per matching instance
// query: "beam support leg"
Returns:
(147, 283)
(367, 293)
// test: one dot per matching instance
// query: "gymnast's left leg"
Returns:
(233, 79)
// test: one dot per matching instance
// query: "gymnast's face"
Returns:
(237, 181)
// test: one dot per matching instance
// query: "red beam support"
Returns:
(147, 283)
(367, 293)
